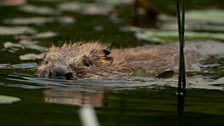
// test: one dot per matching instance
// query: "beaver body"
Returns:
(95, 60)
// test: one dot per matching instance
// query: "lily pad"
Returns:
(12, 47)
(48, 34)
(39, 20)
(39, 10)
(8, 99)
(213, 16)
(172, 36)
(192, 26)
(210, 16)
(31, 56)
(17, 30)
(24, 44)
(8, 45)
(199, 82)
(32, 45)
(86, 8)
(196, 20)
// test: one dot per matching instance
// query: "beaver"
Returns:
(95, 60)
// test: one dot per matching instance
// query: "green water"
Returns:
(139, 106)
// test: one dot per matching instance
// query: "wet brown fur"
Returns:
(97, 61)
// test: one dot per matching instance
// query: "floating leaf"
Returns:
(8, 99)
(31, 56)
(86, 8)
(25, 44)
(192, 26)
(65, 20)
(48, 34)
(13, 47)
(32, 45)
(28, 21)
(209, 16)
(196, 20)
(8, 45)
(172, 36)
(17, 30)
(39, 10)
(199, 82)
(213, 16)
(39, 20)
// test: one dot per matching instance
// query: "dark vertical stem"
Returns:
(181, 78)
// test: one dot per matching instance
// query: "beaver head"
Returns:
(76, 61)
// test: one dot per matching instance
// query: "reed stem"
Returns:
(181, 78)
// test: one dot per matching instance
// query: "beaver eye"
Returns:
(88, 64)
(87, 61)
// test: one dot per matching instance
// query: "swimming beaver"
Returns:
(95, 60)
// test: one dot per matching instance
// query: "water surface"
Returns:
(134, 101)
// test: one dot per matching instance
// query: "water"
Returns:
(55, 102)
(134, 101)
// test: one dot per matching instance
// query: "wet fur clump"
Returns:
(95, 60)
(81, 60)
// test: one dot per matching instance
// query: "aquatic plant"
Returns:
(181, 78)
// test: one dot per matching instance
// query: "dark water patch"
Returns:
(58, 104)
(32, 111)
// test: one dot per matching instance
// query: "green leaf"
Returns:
(209, 16)
(172, 36)
(8, 99)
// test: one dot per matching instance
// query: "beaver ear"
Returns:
(106, 52)
(103, 52)
(104, 58)
(101, 57)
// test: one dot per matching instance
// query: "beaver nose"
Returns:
(59, 72)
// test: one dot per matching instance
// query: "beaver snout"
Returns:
(59, 72)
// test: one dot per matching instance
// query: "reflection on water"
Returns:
(70, 96)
